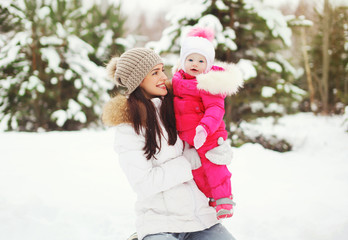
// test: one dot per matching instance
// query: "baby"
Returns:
(199, 90)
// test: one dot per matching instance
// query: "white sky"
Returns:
(153, 7)
(133, 8)
(157, 5)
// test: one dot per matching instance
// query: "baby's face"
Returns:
(195, 64)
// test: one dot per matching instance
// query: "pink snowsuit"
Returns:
(195, 107)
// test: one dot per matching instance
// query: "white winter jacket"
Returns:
(168, 199)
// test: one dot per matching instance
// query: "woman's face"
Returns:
(153, 84)
(195, 64)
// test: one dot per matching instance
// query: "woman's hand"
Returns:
(192, 156)
(222, 154)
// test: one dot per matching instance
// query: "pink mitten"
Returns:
(201, 136)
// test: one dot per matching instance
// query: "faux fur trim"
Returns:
(115, 111)
(226, 82)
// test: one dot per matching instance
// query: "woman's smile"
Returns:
(161, 85)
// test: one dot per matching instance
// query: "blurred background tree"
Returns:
(51, 60)
(329, 55)
(254, 37)
(329, 91)
(52, 55)
(249, 34)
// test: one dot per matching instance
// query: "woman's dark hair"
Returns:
(142, 114)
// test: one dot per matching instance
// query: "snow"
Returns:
(247, 68)
(35, 83)
(107, 41)
(82, 97)
(10, 51)
(68, 185)
(52, 57)
(190, 9)
(44, 12)
(299, 21)
(275, 20)
(274, 66)
(51, 40)
(74, 109)
(88, 76)
(221, 5)
(267, 92)
(60, 116)
(73, 112)
(185, 11)
(287, 66)
(271, 108)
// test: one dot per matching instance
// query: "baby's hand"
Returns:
(222, 154)
(201, 136)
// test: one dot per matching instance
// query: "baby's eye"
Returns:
(201, 61)
(190, 60)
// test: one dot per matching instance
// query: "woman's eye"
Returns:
(154, 73)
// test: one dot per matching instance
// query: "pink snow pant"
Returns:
(213, 180)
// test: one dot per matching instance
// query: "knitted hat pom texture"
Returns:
(111, 68)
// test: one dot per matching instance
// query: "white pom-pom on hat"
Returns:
(198, 40)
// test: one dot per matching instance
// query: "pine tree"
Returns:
(253, 36)
(337, 84)
(51, 78)
(300, 26)
(339, 59)
(248, 33)
(103, 28)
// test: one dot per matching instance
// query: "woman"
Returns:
(169, 204)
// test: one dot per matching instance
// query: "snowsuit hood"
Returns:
(223, 78)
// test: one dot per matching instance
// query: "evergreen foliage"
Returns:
(338, 54)
(51, 60)
(250, 34)
(246, 32)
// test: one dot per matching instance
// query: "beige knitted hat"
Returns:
(131, 68)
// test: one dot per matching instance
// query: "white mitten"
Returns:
(200, 137)
(192, 156)
(222, 154)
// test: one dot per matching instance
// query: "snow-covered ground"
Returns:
(68, 185)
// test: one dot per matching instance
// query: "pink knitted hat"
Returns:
(199, 40)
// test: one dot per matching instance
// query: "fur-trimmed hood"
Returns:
(115, 111)
(227, 82)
